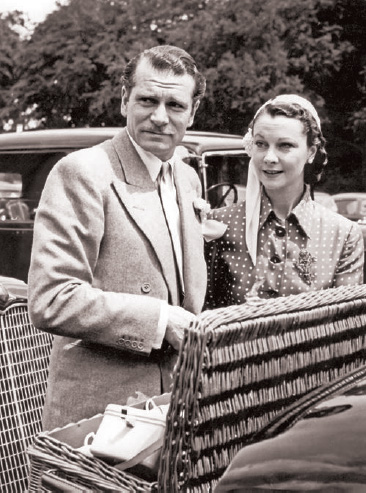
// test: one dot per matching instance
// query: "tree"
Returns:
(252, 51)
(69, 70)
(243, 58)
(10, 42)
(71, 66)
(347, 101)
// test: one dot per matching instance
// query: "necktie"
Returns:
(169, 203)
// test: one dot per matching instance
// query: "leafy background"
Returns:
(66, 72)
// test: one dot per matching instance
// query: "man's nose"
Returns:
(271, 156)
(160, 115)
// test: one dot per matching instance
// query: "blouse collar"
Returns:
(303, 212)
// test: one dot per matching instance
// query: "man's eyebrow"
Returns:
(145, 93)
(177, 100)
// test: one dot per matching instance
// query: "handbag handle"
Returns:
(140, 457)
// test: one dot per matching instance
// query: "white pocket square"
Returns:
(212, 229)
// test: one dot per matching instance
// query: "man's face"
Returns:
(159, 109)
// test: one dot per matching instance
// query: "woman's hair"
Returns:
(314, 170)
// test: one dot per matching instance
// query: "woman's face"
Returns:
(280, 152)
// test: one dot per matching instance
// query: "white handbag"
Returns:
(128, 436)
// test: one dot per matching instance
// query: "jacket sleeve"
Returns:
(63, 299)
(350, 266)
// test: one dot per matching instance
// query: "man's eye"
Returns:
(147, 101)
(176, 105)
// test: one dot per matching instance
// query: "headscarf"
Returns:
(253, 191)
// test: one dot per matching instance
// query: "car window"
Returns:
(348, 207)
(10, 185)
(22, 178)
(228, 167)
(188, 155)
(326, 200)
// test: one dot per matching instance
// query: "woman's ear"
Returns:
(311, 154)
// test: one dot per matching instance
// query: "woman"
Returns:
(280, 242)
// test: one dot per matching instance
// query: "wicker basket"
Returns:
(24, 359)
(238, 369)
(56, 452)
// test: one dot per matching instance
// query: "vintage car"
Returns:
(316, 445)
(325, 199)
(353, 206)
(26, 159)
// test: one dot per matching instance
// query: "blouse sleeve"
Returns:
(350, 266)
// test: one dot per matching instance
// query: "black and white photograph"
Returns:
(182, 246)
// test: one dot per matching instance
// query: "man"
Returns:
(117, 273)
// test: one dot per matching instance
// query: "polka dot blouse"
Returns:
(314, 248)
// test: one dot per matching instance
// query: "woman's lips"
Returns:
(272, 172)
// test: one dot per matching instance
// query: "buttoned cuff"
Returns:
(162, 323)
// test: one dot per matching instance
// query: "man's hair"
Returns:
(166, 58)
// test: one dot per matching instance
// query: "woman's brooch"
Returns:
(304, 266)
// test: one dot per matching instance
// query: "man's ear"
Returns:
(124, 101)
(194, 109)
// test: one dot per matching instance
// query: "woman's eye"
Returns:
(286, 145)
(260, 144)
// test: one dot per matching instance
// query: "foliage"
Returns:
(9, 48)
(68, 72)
(71, 66)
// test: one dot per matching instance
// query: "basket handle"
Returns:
(56, 484)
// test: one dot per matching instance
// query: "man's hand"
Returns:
(178, 320)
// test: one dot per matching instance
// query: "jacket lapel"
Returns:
(194, 267)
(139, 196)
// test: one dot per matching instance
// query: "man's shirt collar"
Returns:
(152, 162)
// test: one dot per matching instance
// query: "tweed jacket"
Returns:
(101, 263)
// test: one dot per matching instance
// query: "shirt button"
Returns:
(146, 287)
(275, 259)
(280, 231)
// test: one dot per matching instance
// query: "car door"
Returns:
(22, 178)
(226, 175)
